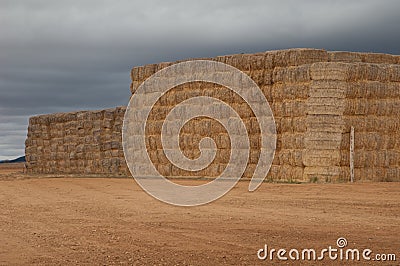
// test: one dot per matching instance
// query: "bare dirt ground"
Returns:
(100, 221)
(11, 171)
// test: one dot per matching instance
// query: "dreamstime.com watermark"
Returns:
(147, 95)
(340, 252)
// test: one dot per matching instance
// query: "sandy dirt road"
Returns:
(100, 221)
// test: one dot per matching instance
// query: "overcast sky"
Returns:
(58, 56)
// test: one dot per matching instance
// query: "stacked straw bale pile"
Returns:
(85, 142)
(315, 96)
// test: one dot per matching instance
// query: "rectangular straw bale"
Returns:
(289, 91)
(328, 89)
(269, 60)
(360, 158)
(235, 60)
(358, 122)
(393, 90)
(370, 141)
(288, 109)
(139, 74)
(374, 174)
(286, 172)
(380, 107)
(344, 158)
(322, 140)
(95, 116)
(286, 124)
(392, 174)
(382, 159)
(298, 158)
(372, 124)
(391, 140)
(276, 173)
(135, 76)
(362, 140)
(292, 141)
(163, 65)
(321, 157)
(325, 106)
(344, 173)
(395, 73)
(297, 57)
(382, 124)
(370, 159)
(392, 124)
(348, 57)
(296, 174)
(367, 89)
(377, 58)
(284, 157)
(321, 173)
(371, 72)
(267, 91)
(247, 62)
(331, 71)
(258, 61)
(149, 70)
(291, 74)
(299, 124)
(345, 143)
(221, 58)
(264, 77)
(258, 77)
(295, 108)
(295, 158)
(356, 106)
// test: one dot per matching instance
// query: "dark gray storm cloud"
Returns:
(67, 55)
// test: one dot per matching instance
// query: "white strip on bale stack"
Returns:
(325, 107)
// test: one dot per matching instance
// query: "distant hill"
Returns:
(17, 160)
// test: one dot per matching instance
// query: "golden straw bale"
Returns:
(292, 141)
(325, 106)
(328, 89)
(321, 173)
(377, 58)
(296, 57)
(258, 77)
(291, 74)
(395, 73)
(331, 71)
(377, 72)
(321, 157)
(247, 62)
(322, 140)
(149, 70)
(290, 91)
(348, 57)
